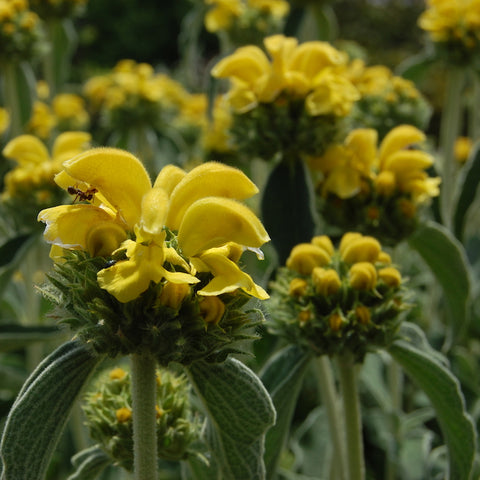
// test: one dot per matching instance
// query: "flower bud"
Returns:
(363, 249)
(298, 287)
(326, 282)
(363, 276)
(173, 294)
(305, 257)
(384, 257)
(391, 276)
(323, 241)
(347, 239)
(212, 309)
(363, 314)
(304, 317)
(335, 321)
(123, 414)
(117, 374)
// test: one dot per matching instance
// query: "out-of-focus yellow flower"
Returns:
(362, 276)
(463, 147)
(70, 111)
(408, 165)
(222, 14)
(306, 256)
(4, 120)
(42, 120)
(277, 8)
(36, 166)
(346, 166)
(301, 71)
(201, 207)
(326, 281)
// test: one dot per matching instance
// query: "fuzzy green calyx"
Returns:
(109, 420)
(172, 328)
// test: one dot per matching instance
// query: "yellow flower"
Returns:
(123, 414)
(277, 8)
(70, 107)
(297, 287)
(362, 276)
(326, 281)
(408, 165)
(201, 207)
(346, 166)
(42, 120)
(4, 120)
(360, 249)
(304, 257)
(220, 17)
(463, 147)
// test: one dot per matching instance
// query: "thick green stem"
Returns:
(328, 392)
(474, 126)
(11, 97)
(352, 418)
(449, 131)
(144, 425)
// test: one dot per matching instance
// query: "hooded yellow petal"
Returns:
(399, 138)
(210, 179)
(69, 144)
(247, 64)
(407, 160)
(169, 177)
(212, 222)
(154, 212)
(26, 150)
(343, 182)
(116, 174)
(228, 277)
(70, 225)
(363, 141)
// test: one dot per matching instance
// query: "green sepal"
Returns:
(287, 211)
(429, 370)
(14, 336)
(89, 463)
(468, 185)
(239, 411)
(447, 259)
(39, 413)
(283, 377)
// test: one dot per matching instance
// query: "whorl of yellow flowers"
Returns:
(330, 300)
(306, 71)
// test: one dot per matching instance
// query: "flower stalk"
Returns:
(352, 417)
(11, 97)
(144, 413)
(328, 392)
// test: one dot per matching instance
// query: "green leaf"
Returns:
(89, 463)
(239, 411)
(446, 257)
(16, 336)
(283, 377)
(39, 414)
(428, 369)
(416, 67)
(468, 184)
(287, 207)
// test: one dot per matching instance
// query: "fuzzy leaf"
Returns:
(283, 377)
(239, 411)
(446, 257)
(429, 371)
(468, 184)
(41, 410)
(287, 212)
(89, 463)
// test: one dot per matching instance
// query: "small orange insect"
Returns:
(80, 195)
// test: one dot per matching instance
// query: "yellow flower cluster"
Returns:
(31, 183)
(386, 100)
(454, 24)
(331, 299)
(127, 216)
(19, 30)
(308, 71)
(245, 20)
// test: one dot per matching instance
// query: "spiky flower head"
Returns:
(295, 100)
(335, 300)
(108, 411)
(137, 264)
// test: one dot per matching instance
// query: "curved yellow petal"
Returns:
(211, 179)
(26, 150)
(116, 174)
(242, 99)
(407, 160)
(154, 212)
(399, 138)
(228, 277)
(363, 141)
(169, 177)
(212, 222)
(343, 182)
(69, 144)
(247, 64)
(69, 225)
